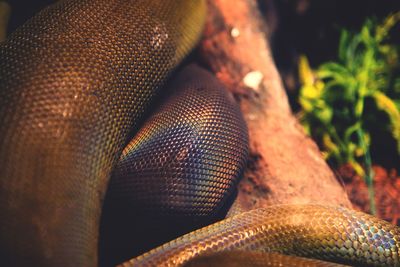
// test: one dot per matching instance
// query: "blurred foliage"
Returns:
(343, 101)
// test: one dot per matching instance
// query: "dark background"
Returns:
(22, 10)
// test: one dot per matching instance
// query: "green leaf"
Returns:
(334, 96)
(343, 44)
(388, 106)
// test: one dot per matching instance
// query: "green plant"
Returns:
(342, 101)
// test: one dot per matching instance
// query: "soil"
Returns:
(386, 187)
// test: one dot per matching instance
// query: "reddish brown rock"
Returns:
(285, 166)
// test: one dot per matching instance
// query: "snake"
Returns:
(76, 154)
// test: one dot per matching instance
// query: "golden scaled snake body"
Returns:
(75, 83)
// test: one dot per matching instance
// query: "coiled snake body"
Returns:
(75, 80)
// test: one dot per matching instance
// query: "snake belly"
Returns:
(74, 80)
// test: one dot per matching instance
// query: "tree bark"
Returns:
(285, 166)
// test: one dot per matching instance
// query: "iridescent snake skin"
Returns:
(76, 82)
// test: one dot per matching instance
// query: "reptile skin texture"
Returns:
(180, 168)
(188, 156)
(328, 233)
(74, 80)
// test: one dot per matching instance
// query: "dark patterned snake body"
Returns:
(179, 169)
(75, 80)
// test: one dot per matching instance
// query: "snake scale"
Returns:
(76, 81)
